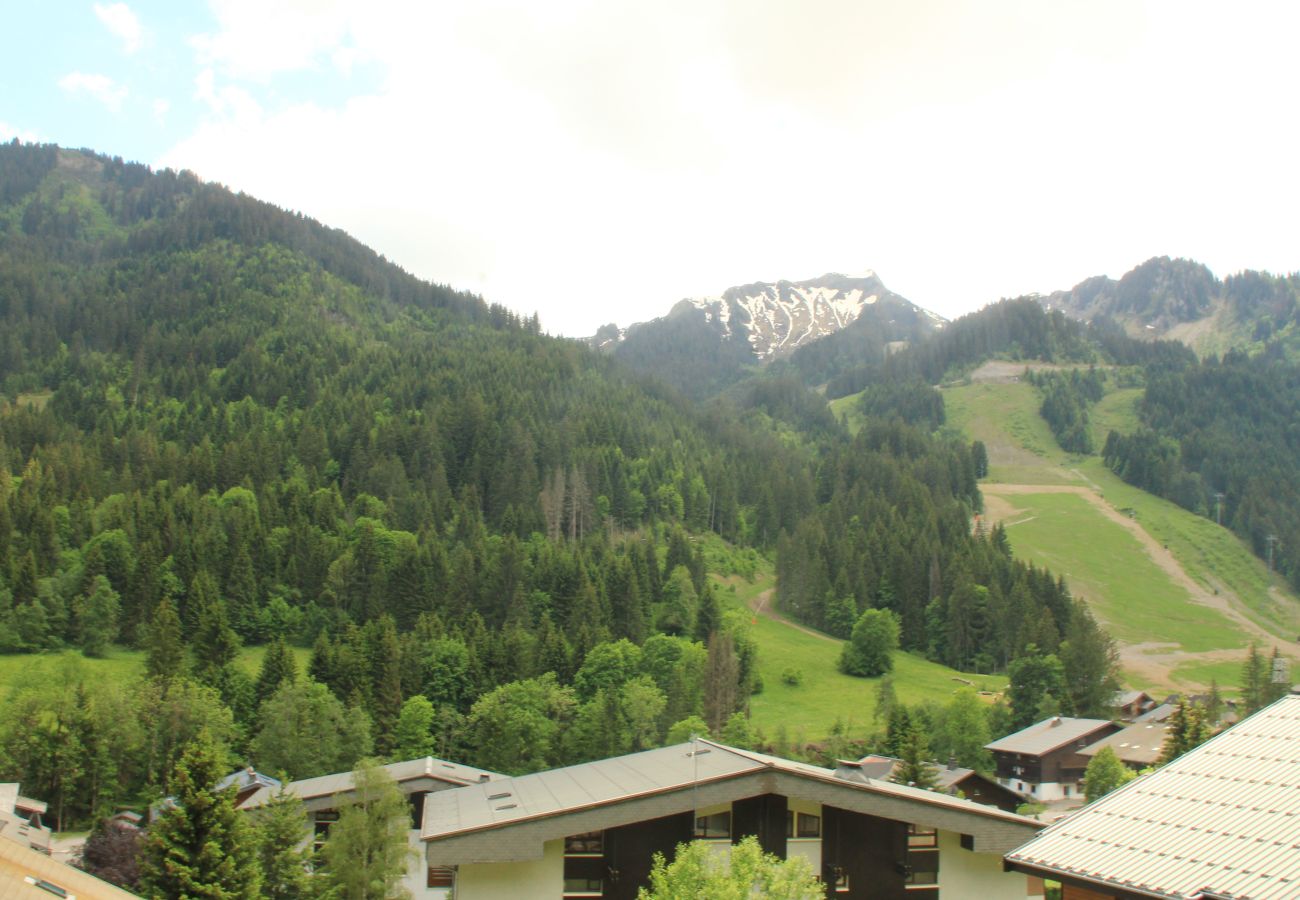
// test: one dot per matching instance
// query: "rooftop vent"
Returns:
(500, 796)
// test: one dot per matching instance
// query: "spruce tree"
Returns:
(215, 642)
(278, 666)
(914, 766)
(202, 846)
(164, 650)
(281, 855)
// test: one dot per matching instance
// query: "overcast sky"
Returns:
(598, 161)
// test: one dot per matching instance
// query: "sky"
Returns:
(598, 161)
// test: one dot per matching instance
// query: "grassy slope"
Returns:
(1101, 559)
(808, 710)
(118, 665)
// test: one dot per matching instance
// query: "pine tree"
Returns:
(281, 855)
(1188, 727)
(1254, 681)
(97, 615)
(278, 666)
(202, 846)
(914, 766)
(164, 650)
(365, 856)
(215, 642)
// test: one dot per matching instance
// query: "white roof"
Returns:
(608, 781)
(1221, 820)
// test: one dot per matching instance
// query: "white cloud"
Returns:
(122, 24)
(161, 107)
(9, 132)
(101, 87)
(257, 39)
(598, 164)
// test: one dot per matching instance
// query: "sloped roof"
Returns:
(609, 781)
(1222, 820)
(1047, 735)
(452, 773)
(1140, 744)
(18, 864)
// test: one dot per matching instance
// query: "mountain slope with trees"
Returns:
(225, 424)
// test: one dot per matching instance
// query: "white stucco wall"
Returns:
(808, 848)
(963, 873)
(416, 872)
(514, 881)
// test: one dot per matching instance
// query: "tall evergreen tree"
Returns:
(282, 857)
(202, 846)
(164, 649)
(278, 666)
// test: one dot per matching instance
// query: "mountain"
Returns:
(1179, 299)
(705, 344)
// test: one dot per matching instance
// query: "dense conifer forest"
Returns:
(225, 424)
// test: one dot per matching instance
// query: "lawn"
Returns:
(1005, 417)
(1106, 565)
(119, 665)
(809, 709)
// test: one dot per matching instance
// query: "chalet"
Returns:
(590, 831)
(1131, 704)
(1218, 822)
(21, 819)
(950, 779)
(416, 778)
(1138, 746)
(246, 783)
(1043, 760)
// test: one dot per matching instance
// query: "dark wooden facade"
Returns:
(873, 853)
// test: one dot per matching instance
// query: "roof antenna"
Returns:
(695, 784)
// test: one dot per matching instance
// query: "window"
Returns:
(591, 843)
(802, 825)
(440, 877)
(717, 825)
(583, 887)
(324, 819)
(920, 837)
(922, 878)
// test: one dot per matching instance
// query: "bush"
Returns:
(792, 676)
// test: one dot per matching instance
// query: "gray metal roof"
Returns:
(454, 774)
(608, 781)
(1159, 713)
(1139, 744)
(1223, 819)
(1047, 735)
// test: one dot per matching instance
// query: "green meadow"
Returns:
(809, 709)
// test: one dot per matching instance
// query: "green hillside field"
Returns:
(1127, 581)
(809, 710)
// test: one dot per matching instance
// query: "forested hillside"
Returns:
(1219, 437)
(222, 423)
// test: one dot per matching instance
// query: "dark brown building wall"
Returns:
(763, 817)
(630, 848)
(871, 851)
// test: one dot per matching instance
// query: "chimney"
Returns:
(952, 763)
(1056, 720)
(484, 777)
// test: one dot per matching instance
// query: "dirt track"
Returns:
(762, 606)
(1150, 660)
